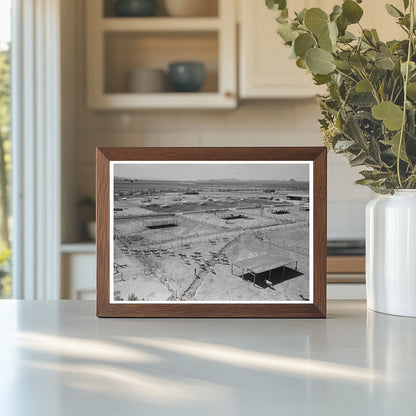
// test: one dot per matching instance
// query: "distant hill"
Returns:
(212, 181)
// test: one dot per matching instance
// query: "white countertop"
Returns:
(57, 358)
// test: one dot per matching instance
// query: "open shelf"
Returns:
(119, 45)
(167, 100)
(127, 51)
(160, 24)
(87, 247)
(211, 9)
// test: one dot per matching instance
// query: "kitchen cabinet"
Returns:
(118, 45)
(265, 70)
(78, 263)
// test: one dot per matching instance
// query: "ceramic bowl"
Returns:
(191, 8)
(147, 80)
(135, 8)
(186, 76)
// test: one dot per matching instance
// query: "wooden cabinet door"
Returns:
(265, 68)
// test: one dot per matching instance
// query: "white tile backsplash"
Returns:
(170, 138)
(258, 123)
(346, 219)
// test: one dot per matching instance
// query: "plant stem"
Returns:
(406, 80)
(346, 75)
(373, 88)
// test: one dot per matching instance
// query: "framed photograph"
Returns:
(211, 232)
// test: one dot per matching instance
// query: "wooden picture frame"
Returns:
(264, 159)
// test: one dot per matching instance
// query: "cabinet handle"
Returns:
(229, 94)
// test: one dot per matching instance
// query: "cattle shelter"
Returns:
(298, 197)
(261, 264)
(161, 223)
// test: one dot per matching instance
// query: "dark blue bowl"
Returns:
(135, 8)
(187, 76)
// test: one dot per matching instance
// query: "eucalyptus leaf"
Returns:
(391, 114)
(281, 19)
(303, 43)
(385, 62)
(393, 11)
(369, 36)
(358, 61)
(325, 42)
(411, 117)
(336, 12)
(374, 150)
(375, 35)
(382, 89)
(395, 144)
(411, 90)
(276, 4)
(333, 32)
(345, 65)
(301, 63)
(412, 68)
(406, 4)
(343, 145)
(354, 132)
(287, 33)
(316, 20)
(363, 86)
(320, 61)
(374, 174)
(361, 100)
(321, 79)
(351, 11)
(405, 21)
(301, 15)
(358, 160)
(342, 25)
(365, 182)
(347, 37)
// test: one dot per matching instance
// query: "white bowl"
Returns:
(147, 80)
(191, 8)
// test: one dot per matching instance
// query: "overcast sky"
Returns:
(198, 171)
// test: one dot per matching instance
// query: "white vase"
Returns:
(391, 253)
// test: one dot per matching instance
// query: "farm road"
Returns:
(190, 293)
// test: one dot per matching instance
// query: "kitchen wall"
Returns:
(253, 123)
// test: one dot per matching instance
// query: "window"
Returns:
(5, 147)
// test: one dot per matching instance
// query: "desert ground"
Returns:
(182, 241)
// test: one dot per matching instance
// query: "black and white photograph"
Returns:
(211, 232)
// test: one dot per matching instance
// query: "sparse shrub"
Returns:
(117, 296)
(133, 297)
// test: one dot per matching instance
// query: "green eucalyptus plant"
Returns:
(369, 112)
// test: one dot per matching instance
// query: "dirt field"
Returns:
(206, 230)
(174, 272)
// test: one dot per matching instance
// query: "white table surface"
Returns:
(57, 358)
